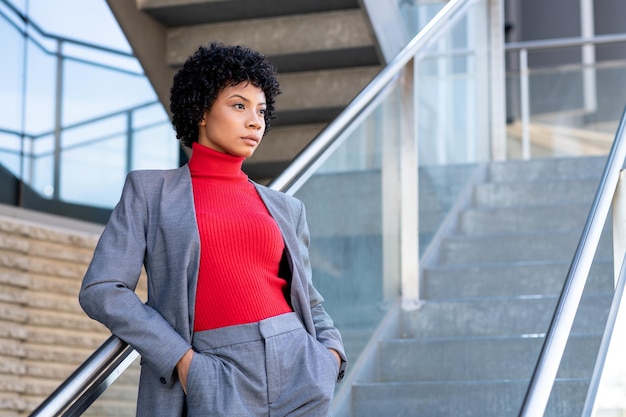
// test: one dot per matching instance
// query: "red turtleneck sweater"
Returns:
(241, 245)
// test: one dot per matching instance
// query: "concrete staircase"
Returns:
(324, 50)
(471, 348)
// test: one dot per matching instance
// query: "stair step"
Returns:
(470, 359)
(504, 280)
(464, 250)
(501, 317)
(313, 33)
(462, 399)
(535, 193)
(523, 219)
(545, 169)
(193, 12)
(322, 89)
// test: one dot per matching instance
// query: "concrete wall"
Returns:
(44, 334)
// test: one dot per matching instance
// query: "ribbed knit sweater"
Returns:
(241, 245)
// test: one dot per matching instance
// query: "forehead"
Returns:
(244, 89)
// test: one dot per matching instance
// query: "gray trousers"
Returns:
(272, 368)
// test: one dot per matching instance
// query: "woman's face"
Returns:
(235, 123)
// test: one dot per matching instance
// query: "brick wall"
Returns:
(44, 334)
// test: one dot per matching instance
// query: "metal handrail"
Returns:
(556, 338)
(566, 42)
(83, 122)
(93, 376)
(419, 43)
(65, 39)
(99, 369)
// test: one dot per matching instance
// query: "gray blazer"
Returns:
(154, 226)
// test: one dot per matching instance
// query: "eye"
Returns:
(239, 106)
(263, 111)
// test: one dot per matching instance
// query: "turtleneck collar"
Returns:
(209, 163)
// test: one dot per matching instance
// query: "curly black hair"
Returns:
(206, 73)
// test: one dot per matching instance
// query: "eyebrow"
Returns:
(245, 99)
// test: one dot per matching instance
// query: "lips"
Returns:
(252, 140)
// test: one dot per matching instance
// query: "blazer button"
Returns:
(163, 381)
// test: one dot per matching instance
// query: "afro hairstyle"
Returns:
(206, 73)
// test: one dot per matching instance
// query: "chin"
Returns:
(248, 154)
(241, 154)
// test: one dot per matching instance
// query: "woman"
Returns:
(233, 325)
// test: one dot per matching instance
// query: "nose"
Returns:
(256, 121)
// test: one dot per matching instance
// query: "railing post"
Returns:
(58, 120)
(619, 224)
(390, 199)
(588, 56)
(497, 80)
(21, 179)
(409, 180)
(23, 106)
(524, 102)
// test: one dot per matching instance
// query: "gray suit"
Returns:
(154, 225)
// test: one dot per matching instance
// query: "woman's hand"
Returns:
(336, 355)
(182, 368)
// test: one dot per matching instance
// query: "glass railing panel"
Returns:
(573, 109)
(453, 94)
(344, 203)
(416, 14)
(350, 197)
(453, 116)
(609, 73)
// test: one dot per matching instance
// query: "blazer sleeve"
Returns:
(108, 294)
(326, 332)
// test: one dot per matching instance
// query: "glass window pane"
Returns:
(96, 177)
(155, 147)
(90, 92)
(40, 91)
(11, 76)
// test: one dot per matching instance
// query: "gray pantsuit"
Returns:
(265, 369)
(154, 226)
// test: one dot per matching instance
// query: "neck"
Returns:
(207, 162)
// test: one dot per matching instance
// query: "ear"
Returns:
(202, 121)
